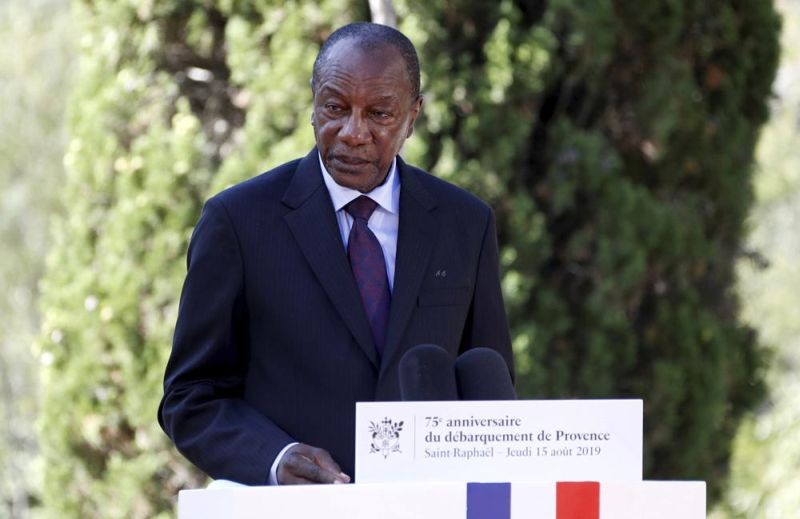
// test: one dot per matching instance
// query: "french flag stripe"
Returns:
(488, 500)
(562, 500)
(578, 500)
(541, 498)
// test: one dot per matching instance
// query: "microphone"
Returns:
(426, 373)
(482, 374)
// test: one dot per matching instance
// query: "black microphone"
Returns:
(426, 373)
(483, 374)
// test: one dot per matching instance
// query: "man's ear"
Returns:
(415, 109)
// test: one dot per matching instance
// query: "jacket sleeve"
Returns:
(203, 409)
(487, 324)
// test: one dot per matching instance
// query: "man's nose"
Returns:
(355, 131)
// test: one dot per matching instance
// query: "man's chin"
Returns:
(363, 179)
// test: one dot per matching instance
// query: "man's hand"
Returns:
(303, 464)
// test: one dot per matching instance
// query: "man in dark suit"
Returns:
(307, 284)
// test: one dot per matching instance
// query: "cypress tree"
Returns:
(615, 141)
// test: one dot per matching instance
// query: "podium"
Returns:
(478, 460)
(518, 500)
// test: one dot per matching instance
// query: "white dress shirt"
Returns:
(384, 223)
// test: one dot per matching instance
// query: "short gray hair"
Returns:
(372, 36)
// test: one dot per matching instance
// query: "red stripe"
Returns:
(578, 500)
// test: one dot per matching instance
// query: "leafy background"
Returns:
(616, 145)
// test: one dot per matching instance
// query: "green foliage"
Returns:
(615, 144)
(615, 141)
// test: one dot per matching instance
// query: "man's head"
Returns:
(366, 99)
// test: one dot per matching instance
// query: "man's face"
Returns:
(363, 112)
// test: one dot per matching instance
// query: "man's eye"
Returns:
(333, 107)
(381, 115)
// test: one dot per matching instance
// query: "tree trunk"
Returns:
(383, 12)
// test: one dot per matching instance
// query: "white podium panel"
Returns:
(564, 500)
(497, 441)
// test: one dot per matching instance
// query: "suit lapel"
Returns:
(313, 224)
(417, 234)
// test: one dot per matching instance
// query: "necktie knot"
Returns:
(361, 208)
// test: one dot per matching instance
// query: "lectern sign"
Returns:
(522, 440)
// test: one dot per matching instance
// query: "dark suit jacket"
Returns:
(272, 344)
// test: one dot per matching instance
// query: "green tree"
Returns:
(614, 142)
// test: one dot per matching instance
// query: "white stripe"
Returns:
(533, 501)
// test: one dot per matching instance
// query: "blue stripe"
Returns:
(488, 500)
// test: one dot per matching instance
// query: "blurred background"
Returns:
(642, 158)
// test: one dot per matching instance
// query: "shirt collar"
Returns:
(386, 195)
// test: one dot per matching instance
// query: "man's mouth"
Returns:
(350, 160)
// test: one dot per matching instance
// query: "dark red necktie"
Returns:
(369, 268)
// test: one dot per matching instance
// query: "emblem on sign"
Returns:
(385, 437)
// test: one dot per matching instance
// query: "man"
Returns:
(307, 284)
